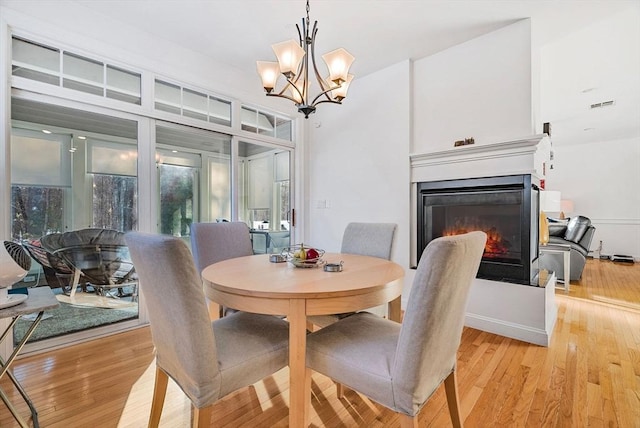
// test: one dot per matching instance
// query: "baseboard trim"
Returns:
(507, 329)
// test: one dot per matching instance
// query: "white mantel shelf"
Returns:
(521, 156)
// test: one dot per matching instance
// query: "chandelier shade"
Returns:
(293, 63)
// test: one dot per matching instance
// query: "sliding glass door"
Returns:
(74, 193)
(265, 196)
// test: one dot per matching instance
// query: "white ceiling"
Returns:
(378, 33)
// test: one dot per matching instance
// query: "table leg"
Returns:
(394, 308)
(299, 375)
(4, 369)
(567, 270)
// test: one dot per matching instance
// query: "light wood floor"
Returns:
(589, 376)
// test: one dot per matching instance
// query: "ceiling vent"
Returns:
(603, 104)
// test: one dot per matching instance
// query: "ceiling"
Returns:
(380, 33)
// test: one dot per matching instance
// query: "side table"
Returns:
(40, 299)
(565, 250)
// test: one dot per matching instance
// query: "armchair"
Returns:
(96, 257)
(578, 234)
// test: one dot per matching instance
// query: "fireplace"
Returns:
(504, 207)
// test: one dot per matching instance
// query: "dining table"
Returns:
(255, 284)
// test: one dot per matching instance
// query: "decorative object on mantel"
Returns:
(293, 63)
(464, 142)
(546, 128)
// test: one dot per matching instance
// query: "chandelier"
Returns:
(293, 63)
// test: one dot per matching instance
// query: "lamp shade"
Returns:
(341, 92)
(289, 55)
(566, 206)
(338, 62)
(269, 73)
(550, 201)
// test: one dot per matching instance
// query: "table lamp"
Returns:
(549, 202)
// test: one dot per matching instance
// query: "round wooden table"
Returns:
(253, 284)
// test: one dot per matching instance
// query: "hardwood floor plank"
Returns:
(588, 376)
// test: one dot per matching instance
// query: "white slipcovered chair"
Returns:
(207, 360)
(215, 242)
(401, 365)
(366, 239)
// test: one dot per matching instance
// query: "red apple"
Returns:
(312, 253)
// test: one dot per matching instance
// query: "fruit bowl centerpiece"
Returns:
(304, 257)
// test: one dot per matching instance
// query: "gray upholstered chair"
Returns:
(208, 360)
(215, 242)
(367, 239)
(401, 365)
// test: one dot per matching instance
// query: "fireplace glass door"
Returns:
(498, 214)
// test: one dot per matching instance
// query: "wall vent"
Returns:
(603, 104)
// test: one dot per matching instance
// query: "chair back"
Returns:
(178, 317)
(433, 321)
(215, 242)
(369, 239)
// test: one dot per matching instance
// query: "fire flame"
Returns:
(495, 247)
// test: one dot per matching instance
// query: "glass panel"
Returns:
(265, 205)
(83, 74)
(200, 150)
(52, 166)
(35, 62)
(178, 190)
(219, 188)
(115, 202)
(104, 157)
(123, 85)
(168, 97)
(36, 211)
(248, 120)
(219, 111)
(194, 104)
(265, 124)
(284, 129)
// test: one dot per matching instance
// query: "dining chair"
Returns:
(207, 360)
(215, 242)
(401, 365)
(366, 239)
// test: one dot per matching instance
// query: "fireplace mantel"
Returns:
(518, 311)
(521, 156)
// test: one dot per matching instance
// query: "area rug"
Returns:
(94, 301)
(68, 318)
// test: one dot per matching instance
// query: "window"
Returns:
(112, 167)
(175, 99)
(263, 123)
(115, 202)
(39, 184)
(178, 193)
(36, 211)
(42, 63)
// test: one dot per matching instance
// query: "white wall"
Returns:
(481, 89)
(358, 162)
(602, 180)
(598, 168)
